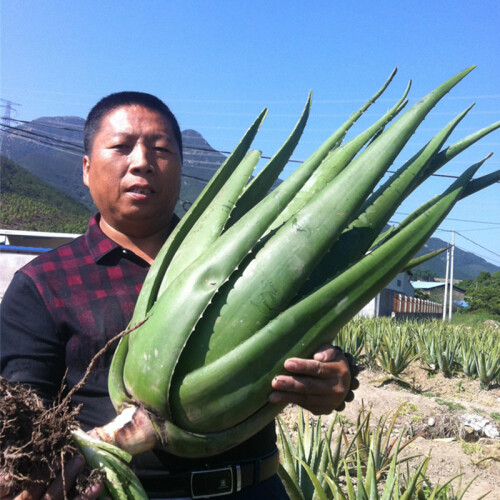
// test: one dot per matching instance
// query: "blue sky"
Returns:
(219, 63)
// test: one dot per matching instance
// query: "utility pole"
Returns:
(445, 298)
(8, 110)
(452, 259)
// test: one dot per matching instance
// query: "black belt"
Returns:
(213, 482)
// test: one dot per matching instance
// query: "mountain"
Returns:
(37, 147)
(466, 264)
(200, 163)
(51, 148)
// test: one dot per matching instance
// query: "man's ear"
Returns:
(86, 169)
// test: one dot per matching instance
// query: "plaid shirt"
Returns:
(62, 308)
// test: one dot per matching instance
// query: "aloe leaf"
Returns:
(424, 258)
(263, 182)
(390, 234)
(194, 445)
(337, 493)
(201, 280)
(116, 386)
(335, 162)
(292, 488)
(452, 151)
(120, 480)
(481, 183)
(287, 458)
(411, 487)
(211, 222)
(349, 486)
(318, 490)
(204, 371)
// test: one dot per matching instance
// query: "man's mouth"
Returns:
(144, 191)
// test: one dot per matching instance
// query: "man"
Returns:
(62, 307)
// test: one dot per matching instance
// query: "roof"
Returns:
(44, 234)
(425, 285)
(430, 285)
(34, 239)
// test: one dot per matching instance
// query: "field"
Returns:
(430, 407)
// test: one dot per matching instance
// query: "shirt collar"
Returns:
(98, 243)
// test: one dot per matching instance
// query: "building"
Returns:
(382, 304)
(435, 291)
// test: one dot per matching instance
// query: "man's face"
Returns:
(134, 171)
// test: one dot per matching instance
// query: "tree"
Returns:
(423, 275)
(483, 293)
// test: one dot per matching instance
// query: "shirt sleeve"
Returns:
(31, 350)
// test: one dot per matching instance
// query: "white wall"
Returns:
(10, 263)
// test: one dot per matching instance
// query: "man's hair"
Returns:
(126, 98)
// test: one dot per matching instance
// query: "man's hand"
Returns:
(320, 385)
(55, 490)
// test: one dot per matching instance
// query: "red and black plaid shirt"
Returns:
(61, 309)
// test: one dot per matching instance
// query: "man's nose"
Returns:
(139, 158)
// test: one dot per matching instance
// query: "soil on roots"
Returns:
(35, 440)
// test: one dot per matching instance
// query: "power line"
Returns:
(79, 149)
(59, 127)
(477, 244)
(19, 132)
(458, 220)
(50, 145)
(65, 150)
(211, 150)
(492, 228)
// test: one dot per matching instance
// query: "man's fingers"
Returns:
(9, 491)
(301, 385)
(328, 352)
(32, 493)
(72, 468)
(91, 493)
(318, 369)
(315, 404)
(5, 486)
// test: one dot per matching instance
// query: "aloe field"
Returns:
(404, 434)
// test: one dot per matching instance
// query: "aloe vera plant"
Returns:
(439, 348)
(373, 457)
(351, 339)
(395, 353)
(259, 282)
(119, 480)
(311, 452)
(488, 367)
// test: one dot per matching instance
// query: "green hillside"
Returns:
(27, 203)
(466, 264)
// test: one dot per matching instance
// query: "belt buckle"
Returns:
(214, 482)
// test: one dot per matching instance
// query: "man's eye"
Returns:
(162, 149)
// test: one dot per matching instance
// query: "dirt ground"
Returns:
(439, 401)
